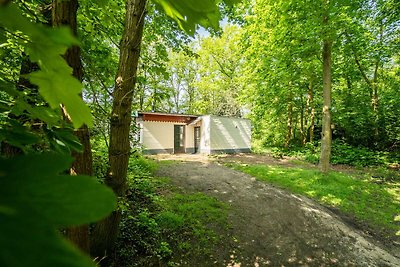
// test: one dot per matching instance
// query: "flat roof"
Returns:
(167, 114)
(167, 117)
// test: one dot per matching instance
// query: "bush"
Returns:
(343, 153)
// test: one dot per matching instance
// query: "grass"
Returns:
(163, 226)
(376, 204)
(193, 214)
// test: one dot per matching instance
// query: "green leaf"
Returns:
(190, 13)
(33, 183)
(26, 241)
(64, 141)
(18, 135)
(35, 200)
(45, 46)
(57, 88)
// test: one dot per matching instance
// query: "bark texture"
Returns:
(64, 13)
(289, 133)
(310, 102)
(326, 140)
(106, 231)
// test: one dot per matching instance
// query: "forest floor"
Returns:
(270, 226)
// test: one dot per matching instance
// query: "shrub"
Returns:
(343, 153)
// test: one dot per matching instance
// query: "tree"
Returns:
(106, 231)
(29, 224)
(65, 13)
(281, 45)
(326, 140)
(220, 81)
(187, 16)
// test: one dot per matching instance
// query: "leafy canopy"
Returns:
(190, 13)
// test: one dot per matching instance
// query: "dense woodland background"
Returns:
(298, 69)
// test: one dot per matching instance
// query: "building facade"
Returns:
(178, 133)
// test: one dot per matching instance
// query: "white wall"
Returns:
(230, 134)
(189, 138)
(205, 135)
(158, 137)
(218, 134)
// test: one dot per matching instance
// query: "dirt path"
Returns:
(274, 227)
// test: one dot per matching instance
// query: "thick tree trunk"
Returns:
(105, 233)
(64, 13)
(326, 140)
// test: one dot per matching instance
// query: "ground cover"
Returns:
(378, 204)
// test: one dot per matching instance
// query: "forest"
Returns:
(319, 81)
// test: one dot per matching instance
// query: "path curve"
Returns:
(274, 227)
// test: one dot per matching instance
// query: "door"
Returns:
(196, 139)
(179, 138)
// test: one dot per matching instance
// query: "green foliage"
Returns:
(36, 200)
(37, 197)
(343, 153)
(361, 197)
(189, 14)
(160, 226)
(45, 46)
(281, 45)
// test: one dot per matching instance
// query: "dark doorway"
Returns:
(179, 138)
(196, 139)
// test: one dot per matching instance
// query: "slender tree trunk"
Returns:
(289, 134)
(303, 121)
(372, 84)
(106, 231)
(326, 141)
(64, 13)
(312, 112)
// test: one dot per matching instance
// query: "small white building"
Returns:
(178, 133)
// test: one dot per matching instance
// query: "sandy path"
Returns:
(274, 227)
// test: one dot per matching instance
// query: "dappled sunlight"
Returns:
(226, 135)
(244, 132)
(230, 135)
(311, 193)
(311, 209)
(366, 200)
(331, 199)
(202, 158)
(395, 192)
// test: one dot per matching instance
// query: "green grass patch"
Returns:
(195, 217)
(376, 204)
(162, 226)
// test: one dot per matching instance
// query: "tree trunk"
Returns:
(326, 140)
(303, 121)
(64, 13)
(106, 231)
(312, 112)
(289, 133)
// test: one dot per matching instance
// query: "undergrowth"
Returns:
(342, 153)
(164, 227)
